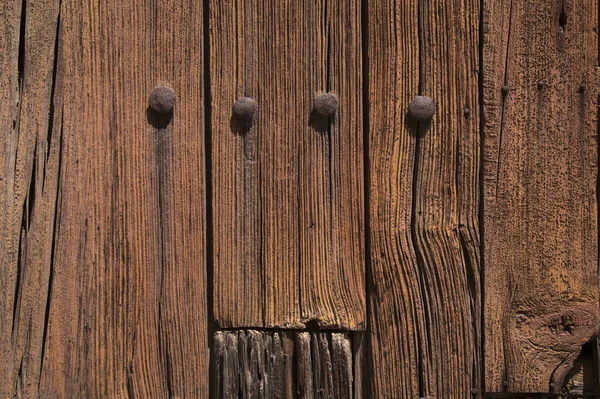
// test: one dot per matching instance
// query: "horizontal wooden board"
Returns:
(540, 204)
(288, 190)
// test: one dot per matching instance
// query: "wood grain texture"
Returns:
(285, 364)
(288, 192)
(580, 382)
(540, 208)
(29, 172)
(423, 191)
(103, 252)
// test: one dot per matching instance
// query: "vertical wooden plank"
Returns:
(288, 203)
(540, 209)
(424, 193)
(305, 366)
(127, 307)
(177, 61)
(30, 137)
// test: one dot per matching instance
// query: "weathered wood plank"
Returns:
(288, 192)
(264, 364)
(540, 210)
(580, 382)
(126, 309)
(30, 137)
(424, 179)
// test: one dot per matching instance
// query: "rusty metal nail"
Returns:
(467, 112)
(162, 100)
(421, 108)
(505, 383)
(540, 85)
(505, 89)
(474, 391)
(326, 104)
(244, 108)
(582, 88)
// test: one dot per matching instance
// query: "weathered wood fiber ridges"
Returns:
(540, 208)
(30, 135)
(288, 192)
(103, 249)
(423, 192)
(286, 364)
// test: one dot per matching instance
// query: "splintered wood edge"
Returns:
(327, 363)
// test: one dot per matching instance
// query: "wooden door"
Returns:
(289, 227)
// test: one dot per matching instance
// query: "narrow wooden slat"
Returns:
(127, 307)
(261, 364)
(343, 375)
(540, 208)
(424, 193)
(288, 202)
(304, 367)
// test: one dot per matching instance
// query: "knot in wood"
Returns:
(162, 100)
(244, 108)
(421, 108)
(326, 104)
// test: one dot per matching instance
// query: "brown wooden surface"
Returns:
(288, 193)
(423, 192)
(30, 136)
(108, 284)
(286, 364)
(541, 250)
(121, 227)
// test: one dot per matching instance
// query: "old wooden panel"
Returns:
(540, 210)
(29, 168)
(103, 250)
(286, 364)
(423, 192)
(288, 191)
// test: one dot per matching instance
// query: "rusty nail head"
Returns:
(244, 108)
(505, 89)
(540, 85)
(326, 104)
(467, 112)
(162, 100)
(582, 88)
(421, 108)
